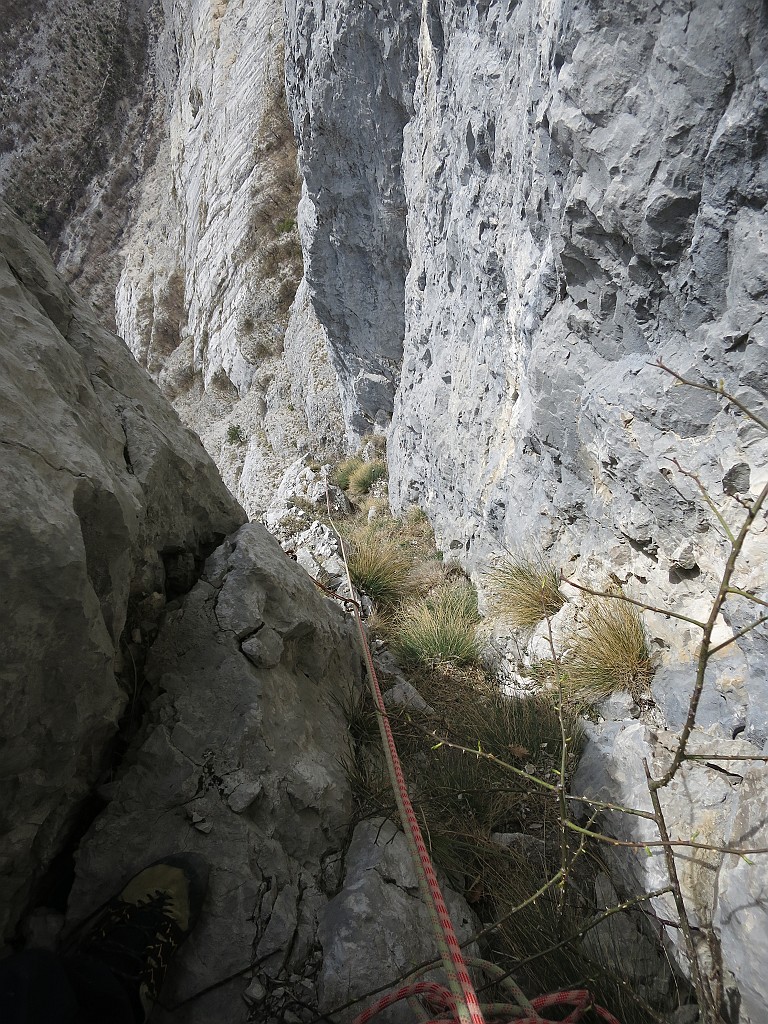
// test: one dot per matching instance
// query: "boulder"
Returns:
(377, 922)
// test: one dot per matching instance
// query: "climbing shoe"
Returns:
(138, 931)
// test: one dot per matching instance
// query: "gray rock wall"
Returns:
(242, 759)
(585, 187)
(583, 198)
(109, 504)
(81, 103)
(350, 74)
(151, 147)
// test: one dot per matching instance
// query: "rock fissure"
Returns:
(39, 455)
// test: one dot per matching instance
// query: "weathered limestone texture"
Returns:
(151, 146)
(109, 503)
(721, 803)
(350, 71)
(585, 189)
(79, 112)
(213, 261)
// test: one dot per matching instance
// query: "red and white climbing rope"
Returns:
(467, 1007)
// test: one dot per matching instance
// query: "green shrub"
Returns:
(609, 652)
(439, 628)
(524, 589)
(235, 434)
(365, 476)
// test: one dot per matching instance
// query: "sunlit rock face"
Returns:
(213, 260)
(582, 200)
(585, 190)
(153, 150)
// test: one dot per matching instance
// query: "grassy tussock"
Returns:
(341, 474)
(378, 565)
(609, 652)
(441, 627)
(524, 589)
(364, 476)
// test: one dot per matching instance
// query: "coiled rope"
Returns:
(459, 1001)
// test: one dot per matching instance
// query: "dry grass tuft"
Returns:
(439, 628)
(378, 565)
(427, 575)
(524, 589)
(341, 473)
(364, 476)
(609, 652)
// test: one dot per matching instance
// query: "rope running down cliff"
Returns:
(461, 1001)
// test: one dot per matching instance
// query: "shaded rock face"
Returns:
(350, 75)
(240, 760)
(355, 928)
(109, 507)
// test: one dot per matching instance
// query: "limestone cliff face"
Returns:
(585, 189)
(109, 508)
(152, 148)
(79, 111)
(212, 262)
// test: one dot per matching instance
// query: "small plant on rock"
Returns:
(235, 434)
(524, 589)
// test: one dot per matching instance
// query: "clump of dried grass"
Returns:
(608, 652)
(365, 475)
(441, 627)
(378, 565)
(524, 589)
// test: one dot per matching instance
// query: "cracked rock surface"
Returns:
(717, 802)
(241, 760)
(109, 504)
